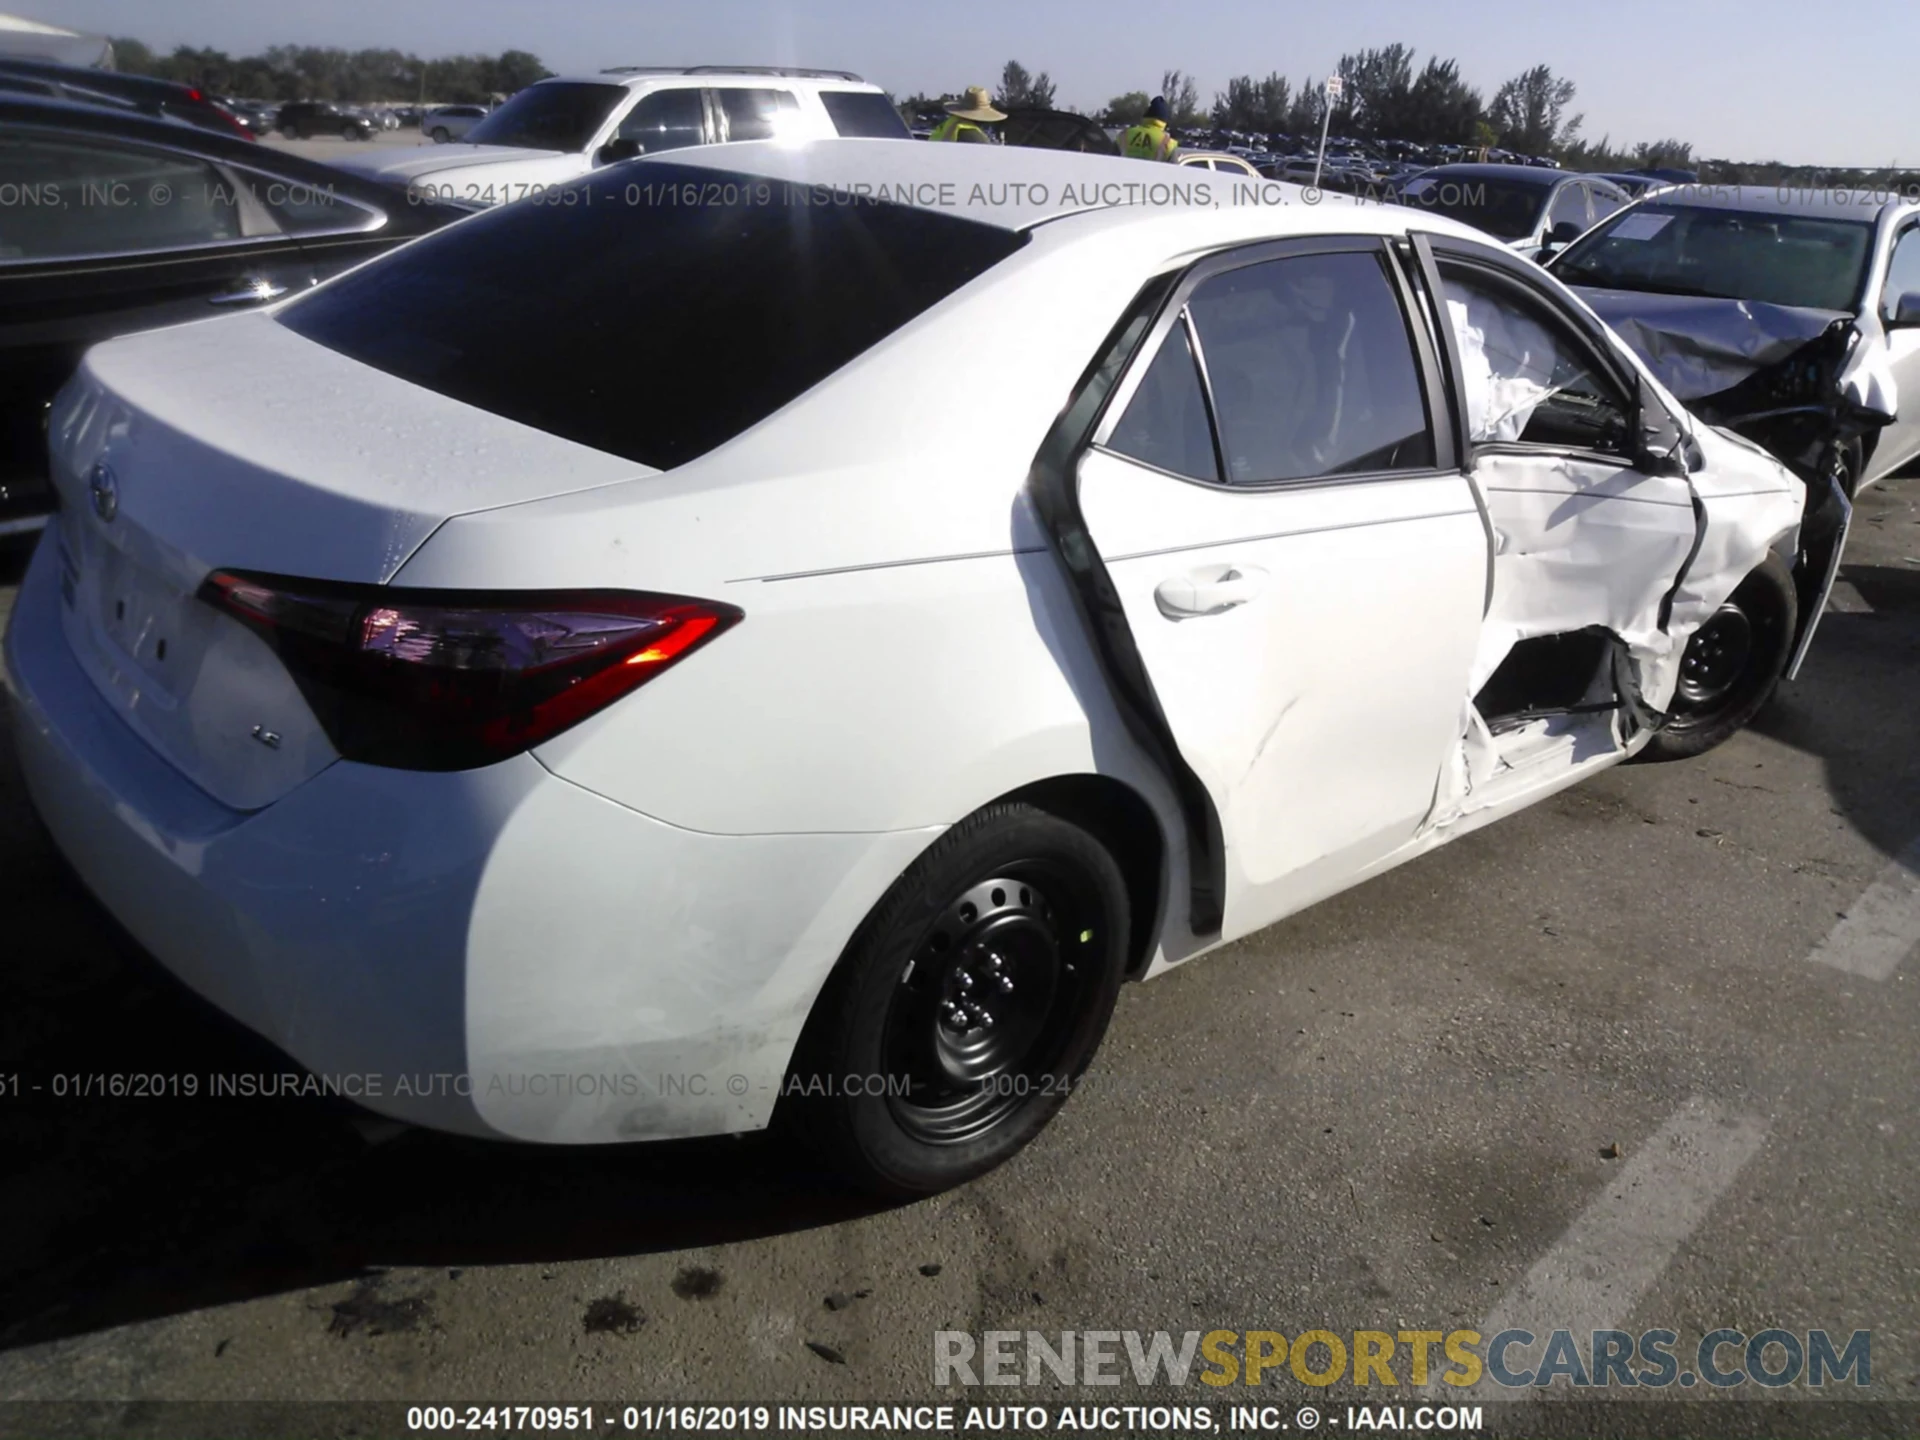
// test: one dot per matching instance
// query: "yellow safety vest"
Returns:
(1149, 141)
(950, 128)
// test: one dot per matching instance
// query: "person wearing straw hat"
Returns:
(1149, 139)
(965, 117)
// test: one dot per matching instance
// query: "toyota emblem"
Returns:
(104, 489)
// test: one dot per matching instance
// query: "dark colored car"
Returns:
(1056, 130)
(304, 119)
(258, 117)
(1531, 209)
(120, 222)
(138, 94)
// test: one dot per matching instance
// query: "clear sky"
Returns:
(1741, 79)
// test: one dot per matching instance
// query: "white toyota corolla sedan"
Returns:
(795, 629)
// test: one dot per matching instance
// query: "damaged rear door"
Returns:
(1297, 562)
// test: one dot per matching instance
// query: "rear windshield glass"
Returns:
(864, 115)
(1499, 207)
(1796, 260)
(652, 310)
(557, 116)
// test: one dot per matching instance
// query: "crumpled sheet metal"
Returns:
(1866, 380)
(1579, 544)
(1700, 345)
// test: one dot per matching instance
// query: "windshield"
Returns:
(1795, 260)
(612, 314)
(559, 116)
(1498, 207)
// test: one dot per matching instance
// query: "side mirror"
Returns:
(1561, 235)
(618, 149)
(1906, 312)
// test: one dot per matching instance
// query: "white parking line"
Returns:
(1881, 928)
(1621, 1243)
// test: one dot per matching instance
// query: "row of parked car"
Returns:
(310, 119)
(445, 672)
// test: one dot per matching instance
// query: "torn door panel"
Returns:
(1601, 572)
(1577, 544)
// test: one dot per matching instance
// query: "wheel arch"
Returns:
(1121, 819)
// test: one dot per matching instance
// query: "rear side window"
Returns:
(1312, 369)
(756, 114)
(864, 115)
(78, 196)
(614, 315)
(1165, 424)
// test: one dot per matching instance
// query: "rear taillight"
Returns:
(450, 680)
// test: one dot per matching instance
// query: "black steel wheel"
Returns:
(967, 1008)
(1732, 664)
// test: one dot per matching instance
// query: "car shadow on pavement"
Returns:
(1854, 705)
(129, 1207)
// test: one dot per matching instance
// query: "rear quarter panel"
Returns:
(910, 650)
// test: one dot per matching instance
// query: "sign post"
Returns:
(1335, 85)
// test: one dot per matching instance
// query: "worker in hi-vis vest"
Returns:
(965, 117)
(1149, 139)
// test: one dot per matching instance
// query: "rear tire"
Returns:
(972, 999)
(1732, 664)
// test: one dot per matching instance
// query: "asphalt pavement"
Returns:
(1644, 1055)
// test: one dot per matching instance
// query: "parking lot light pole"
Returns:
(1334, 86)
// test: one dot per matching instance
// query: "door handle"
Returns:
(1210, 590)
(251, 292)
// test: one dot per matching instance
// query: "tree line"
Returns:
(308, 72)
(1384, 97)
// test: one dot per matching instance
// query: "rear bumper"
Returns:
(498, 952)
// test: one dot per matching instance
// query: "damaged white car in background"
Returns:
(1789, 315)
(824, 721)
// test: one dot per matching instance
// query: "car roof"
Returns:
(1866, 204)
(1017, 188)
(636, 75)
(104, 82)
(1538, 176)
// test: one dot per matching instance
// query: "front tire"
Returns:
(1732, 664)
(967, 1008)
(440, 135)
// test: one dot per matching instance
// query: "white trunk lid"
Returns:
(239, 445)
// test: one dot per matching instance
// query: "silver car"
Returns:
(1531, 209)
(446, 123)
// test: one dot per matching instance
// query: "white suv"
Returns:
(559, 129)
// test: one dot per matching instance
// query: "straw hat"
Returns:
(976, 106)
